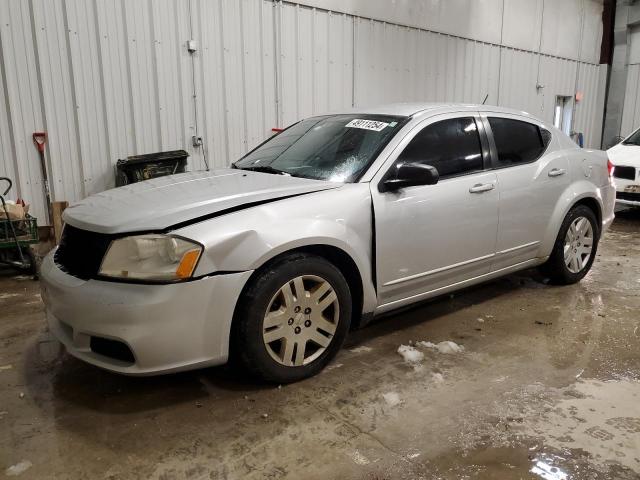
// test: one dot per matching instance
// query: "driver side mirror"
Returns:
(410, 175)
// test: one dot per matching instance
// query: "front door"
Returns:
(429, 237)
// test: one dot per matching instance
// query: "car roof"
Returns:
(410, 109)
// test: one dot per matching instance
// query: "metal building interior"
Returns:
(516, 378)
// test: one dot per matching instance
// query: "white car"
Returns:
(335, 220)
(625, 158)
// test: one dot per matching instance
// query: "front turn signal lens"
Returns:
(188, 264)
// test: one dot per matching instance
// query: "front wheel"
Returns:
(292, 318)
(575, 248)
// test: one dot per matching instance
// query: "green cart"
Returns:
(16, 236)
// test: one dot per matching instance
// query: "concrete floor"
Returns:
(548, 382)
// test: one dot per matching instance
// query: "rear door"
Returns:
(532, 175)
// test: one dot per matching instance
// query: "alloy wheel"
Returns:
(578, 244)
(301, 320)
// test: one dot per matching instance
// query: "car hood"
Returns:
(628, 155)
(166, 202)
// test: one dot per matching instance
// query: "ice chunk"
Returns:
(18, 468)
(449, 347)
(359, 458)
(410, 354)
(445, 347)
(392, 398)
(361, 349)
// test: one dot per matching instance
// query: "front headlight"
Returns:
(152, 257)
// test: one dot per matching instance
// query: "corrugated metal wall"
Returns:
(631, 111)
(112, 78)
(396, 63)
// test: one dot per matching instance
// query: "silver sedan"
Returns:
(335, 220)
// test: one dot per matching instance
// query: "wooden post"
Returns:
(57, 208)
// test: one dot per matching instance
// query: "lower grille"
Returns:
(633, 197)
(80, 252)
(628, 173)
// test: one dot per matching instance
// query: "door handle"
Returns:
(482, 187)
(556, 172)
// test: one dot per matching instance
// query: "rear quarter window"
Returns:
(517, 141)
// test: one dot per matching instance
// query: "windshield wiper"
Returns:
(263, 169)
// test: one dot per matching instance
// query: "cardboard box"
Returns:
(15, 211)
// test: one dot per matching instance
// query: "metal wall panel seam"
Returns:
(262, 69)
(223, 76)
(102, 84)
(277, 47)
(500, 58)
(133, 131)
(354, 36)
(155, 78)
(244, 77)
(8, 160)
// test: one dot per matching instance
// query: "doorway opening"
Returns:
(563, 113)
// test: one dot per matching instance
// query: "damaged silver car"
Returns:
(335, 220)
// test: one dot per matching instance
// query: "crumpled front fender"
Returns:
(247, 239)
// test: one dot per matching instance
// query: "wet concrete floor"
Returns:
(547, 386)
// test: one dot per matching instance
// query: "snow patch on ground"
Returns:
(446, 347)
(361, 349)
(360, 459)
(333, 366)
(410, 354)
(392, 399)
(8, 295)
(18, 468)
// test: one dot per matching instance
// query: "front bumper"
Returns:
(631, 203)
(623, 194)
(167, 328)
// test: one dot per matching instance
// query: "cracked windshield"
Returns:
(338, 148)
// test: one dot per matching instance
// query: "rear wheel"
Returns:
(292, 318)
(575, 248)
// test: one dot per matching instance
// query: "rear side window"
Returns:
(518, 142)
(451, 146)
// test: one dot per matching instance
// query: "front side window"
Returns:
(337, 148)
(517, 141)
(451, 146)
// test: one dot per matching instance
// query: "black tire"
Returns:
(248, 347)
(555, 268)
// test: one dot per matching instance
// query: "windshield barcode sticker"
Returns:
(367, 124)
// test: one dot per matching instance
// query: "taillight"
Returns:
(609, 167)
